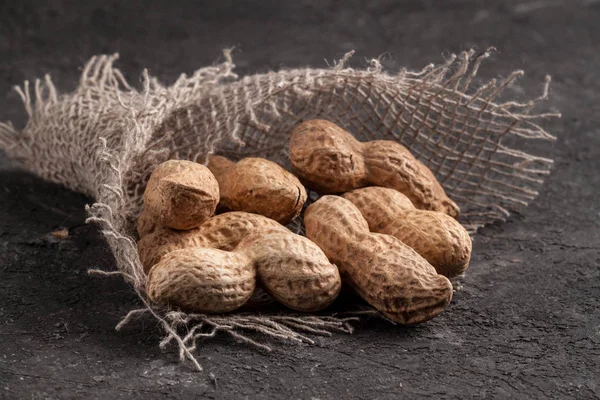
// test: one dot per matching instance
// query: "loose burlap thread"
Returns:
(104, 139)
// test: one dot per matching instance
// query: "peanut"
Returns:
(218, 165)
(292, 268)
(438, 238)
(330, 160)
(146, 224)
(223, 232)
(181, 194)
(260, 186)
(385, 272)
(202, 280)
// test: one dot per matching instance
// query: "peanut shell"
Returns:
(202, 280)
(223, 231)
(437, 237)
(181, 194)
(260, 186)
(330, 160)
(146, 224)
(385, 272)
(293, 270)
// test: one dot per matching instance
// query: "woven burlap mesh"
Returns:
(105, 138)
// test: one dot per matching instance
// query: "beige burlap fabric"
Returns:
(104, 139)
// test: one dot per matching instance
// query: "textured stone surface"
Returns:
(526, 322)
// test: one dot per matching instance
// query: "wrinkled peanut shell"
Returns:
(181, 194)
(259, 186)
(437, 237)
(385, 272)
(223, 232)
(328, 159)
(202, 280)
(293, 270)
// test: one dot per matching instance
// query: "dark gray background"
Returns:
(526, 324)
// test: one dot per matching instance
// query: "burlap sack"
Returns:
(104, 139)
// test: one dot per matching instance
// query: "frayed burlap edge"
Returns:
(105, 137)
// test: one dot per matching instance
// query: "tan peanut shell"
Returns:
(260, 186)
(202, 280)
(437, 237)
(330, 160)
(153, 246)
(293, 270)
(146, 224)
(181, 194)
(385, 272)
(218, 165)
(223, 232)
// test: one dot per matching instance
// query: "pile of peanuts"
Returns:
(383, 225)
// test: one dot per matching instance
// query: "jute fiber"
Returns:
(105, 138)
